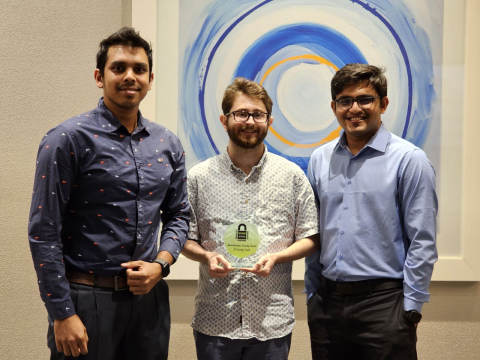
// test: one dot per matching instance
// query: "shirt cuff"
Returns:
(61, 309)
(174, 247)
(409, 304)
(309, 295)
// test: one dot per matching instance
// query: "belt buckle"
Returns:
(115, 282)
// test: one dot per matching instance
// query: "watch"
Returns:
(414, 316)
(165, 266)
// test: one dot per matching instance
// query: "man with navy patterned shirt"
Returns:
(104, 181)
(377, 208)
(247, 313)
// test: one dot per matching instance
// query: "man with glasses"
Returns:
(246, 312)
(377, 210)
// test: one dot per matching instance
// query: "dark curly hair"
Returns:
(126, 36)
(354, 73)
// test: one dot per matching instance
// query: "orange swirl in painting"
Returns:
(335, 133)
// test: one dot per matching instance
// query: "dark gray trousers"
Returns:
(221, 348)
(120, 325)
(360, 327)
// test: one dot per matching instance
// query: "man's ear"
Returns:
(98, 78)
(150, 82)
(224, 120)
(384, 104)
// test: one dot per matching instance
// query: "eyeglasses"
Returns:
(364, 102)
(243, 116)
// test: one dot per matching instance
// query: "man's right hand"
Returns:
(218, 266)
(71, 336)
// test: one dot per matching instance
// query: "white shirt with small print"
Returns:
(277, 197)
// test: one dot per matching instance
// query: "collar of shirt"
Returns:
(109, 121)
(228, 161)
(378, 141)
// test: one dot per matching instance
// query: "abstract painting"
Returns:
(293, 48)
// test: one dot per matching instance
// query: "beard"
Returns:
(247, 143)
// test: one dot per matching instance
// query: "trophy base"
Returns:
(247, 265)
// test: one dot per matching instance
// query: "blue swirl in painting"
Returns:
(293, 47)
(265, 51)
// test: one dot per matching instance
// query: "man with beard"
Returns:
(243, 312)
(104, 181)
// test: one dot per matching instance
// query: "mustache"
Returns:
(249, 127)
(136, 88)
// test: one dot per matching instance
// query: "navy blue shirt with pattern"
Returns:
(99, 196)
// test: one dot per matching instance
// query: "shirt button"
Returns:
(342, 277)
(246, 201)
(349, 182)
(244, 296)
(247, 181)
(340, 256)
(342, 232)
(345, 206)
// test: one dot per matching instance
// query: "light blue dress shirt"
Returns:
(377, 215)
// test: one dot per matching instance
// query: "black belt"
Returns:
(361, 287)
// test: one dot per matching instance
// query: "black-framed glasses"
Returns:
(243, 116)
(364, 102)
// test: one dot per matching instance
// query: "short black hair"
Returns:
(354, 73)
(126, 36)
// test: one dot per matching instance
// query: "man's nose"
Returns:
(250, 119)
(129, 75)
(355, 107)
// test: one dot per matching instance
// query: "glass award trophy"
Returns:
(241, 240)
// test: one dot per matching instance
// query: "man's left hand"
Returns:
(264, 266)
(142, 276)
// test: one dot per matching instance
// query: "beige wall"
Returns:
(47, 52)
(47, 59)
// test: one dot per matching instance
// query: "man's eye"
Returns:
(242, 113)
(140, 70)
(116, 68)
(345, 101)
(365, 100)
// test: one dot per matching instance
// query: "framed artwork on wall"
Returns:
(293, 48)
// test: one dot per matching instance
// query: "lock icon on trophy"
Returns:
(241, 240)
(242, 233)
